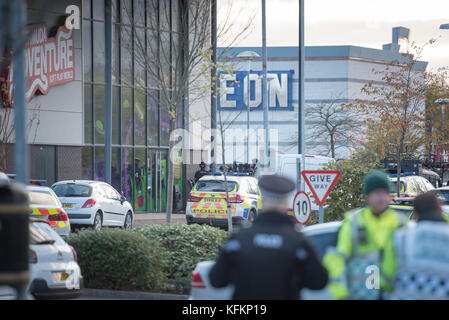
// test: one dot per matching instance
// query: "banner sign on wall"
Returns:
(233, 90)
(48, 62)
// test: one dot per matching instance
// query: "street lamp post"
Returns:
(248, 55)
(264, 82)
(301, 101)
(443, 102)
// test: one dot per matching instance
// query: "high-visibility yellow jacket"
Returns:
(379, 229)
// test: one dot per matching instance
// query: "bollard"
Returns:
(14, 237)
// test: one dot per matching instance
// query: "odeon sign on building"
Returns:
(48, 62)
(233, 90)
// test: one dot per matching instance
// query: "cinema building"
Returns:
(333, 75)
(66, 99)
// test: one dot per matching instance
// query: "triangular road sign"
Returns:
(320, 183)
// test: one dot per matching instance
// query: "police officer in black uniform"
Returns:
(201, 172)
(271, 259)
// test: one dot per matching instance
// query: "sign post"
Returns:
(302, 207)
(321, 183)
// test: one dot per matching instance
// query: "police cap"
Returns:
(276, 187)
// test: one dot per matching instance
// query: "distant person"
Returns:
(420, 253)
(361, 241)
(202, 172)
(270, 259)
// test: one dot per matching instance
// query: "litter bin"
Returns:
(14, 234)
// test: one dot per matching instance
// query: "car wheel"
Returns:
(128, 222)
(98, 221)
(252, 216)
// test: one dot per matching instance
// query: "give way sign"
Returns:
(320, 183)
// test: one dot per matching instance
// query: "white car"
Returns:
(94, 203)
(53, 267)
(54, 270)
(322, 236)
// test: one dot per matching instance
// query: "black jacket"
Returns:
(270, 260)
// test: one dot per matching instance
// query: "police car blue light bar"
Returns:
(230, 173)
(402, 174)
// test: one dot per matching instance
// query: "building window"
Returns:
(127, 173)
(153, 118)
(99, 164)
(139, 117)
(98, 9)
(87, 162)
(87, 49)
(115, 115)
(99, 105)
(126, 58)
(88, 111)
(99, 53)
(127, 127)
(87, 9)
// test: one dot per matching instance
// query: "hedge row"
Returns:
(155, 258)
(186, 245)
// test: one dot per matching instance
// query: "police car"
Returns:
(410, 185)
(206, 203)
(45, 204)
(405, 206)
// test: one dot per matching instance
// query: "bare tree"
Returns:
(332, 125)
(396, 109)
(7, 128)
(169, 39)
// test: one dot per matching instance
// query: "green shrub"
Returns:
(347, 193)
(119, 260)
(186, 245)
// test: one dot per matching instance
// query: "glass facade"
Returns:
(140, 124)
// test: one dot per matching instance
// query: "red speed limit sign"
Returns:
(302, 208)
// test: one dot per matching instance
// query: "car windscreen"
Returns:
(402, 186)
(42, 198)
(216, 186)
(322, 241)
(72, 190)
(41, 233)
(444, 196)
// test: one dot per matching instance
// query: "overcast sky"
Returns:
(365, 23)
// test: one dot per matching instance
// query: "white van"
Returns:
(289, 166)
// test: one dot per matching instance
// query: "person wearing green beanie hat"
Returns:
(361, 242)
(374, 180)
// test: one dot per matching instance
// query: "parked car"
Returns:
(410, 186)
(322, 236)
(45, 204)
(206, 203)
(54, 271)
(443, 194)
(94, 203)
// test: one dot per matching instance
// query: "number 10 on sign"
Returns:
(302, 208)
